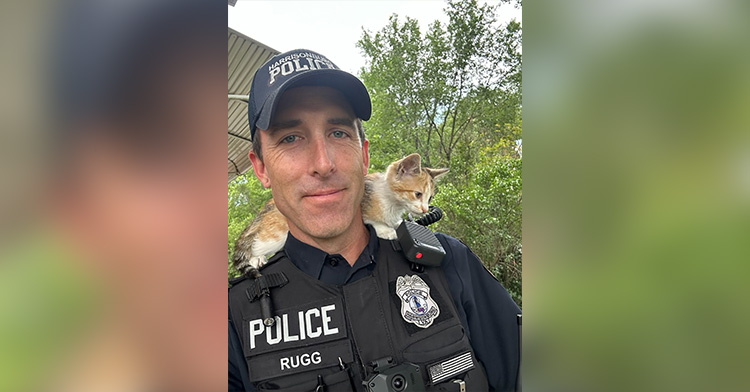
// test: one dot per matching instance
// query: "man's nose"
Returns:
(322, 162)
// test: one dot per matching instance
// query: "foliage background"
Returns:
(453, 94)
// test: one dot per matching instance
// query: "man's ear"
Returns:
(366, 154)
(260, 168)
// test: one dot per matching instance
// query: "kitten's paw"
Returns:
(257, 261)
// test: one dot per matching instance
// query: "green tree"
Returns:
(434, 92)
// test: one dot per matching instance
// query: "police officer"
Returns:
(339, 309)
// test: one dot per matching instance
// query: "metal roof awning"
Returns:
(246, 55)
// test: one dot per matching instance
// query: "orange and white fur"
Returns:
(404, 187)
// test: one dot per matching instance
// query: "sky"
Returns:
(333, 28)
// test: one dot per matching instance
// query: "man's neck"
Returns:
(349, 244)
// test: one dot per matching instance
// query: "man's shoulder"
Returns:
(238, 283)
(453, 246)
(235, 280)
(459, 257)
(457, 254)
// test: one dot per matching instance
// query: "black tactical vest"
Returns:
(335, 337)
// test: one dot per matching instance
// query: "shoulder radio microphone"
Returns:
(419, 243)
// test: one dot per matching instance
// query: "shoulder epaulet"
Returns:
(395, 245)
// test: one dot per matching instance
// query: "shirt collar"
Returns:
(310, 259)
(371, 250)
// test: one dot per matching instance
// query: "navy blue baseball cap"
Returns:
(295, 68)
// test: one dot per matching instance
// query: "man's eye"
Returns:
(339, 134)
(418, 195)
(289, 139)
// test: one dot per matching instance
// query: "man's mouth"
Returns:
(324, 193)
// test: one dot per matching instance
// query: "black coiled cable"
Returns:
(431, 217)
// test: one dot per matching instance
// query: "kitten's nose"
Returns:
(425, 209)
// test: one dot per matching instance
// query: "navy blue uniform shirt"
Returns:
(484, 306)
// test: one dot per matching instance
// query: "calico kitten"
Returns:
(405, 186)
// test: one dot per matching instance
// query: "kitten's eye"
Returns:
(418, 195)
(289, 139)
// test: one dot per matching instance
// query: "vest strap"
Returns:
(263, 283)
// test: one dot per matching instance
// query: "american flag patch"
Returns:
(450, 367)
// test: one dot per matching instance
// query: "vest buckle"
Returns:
(260, 289)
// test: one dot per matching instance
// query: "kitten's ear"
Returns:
(410, 166)
(437, 173)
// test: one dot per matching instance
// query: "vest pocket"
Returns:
(334, 382)
(317, 359)
(444, 356)
(440, 345)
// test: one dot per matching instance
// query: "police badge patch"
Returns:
(417, 307)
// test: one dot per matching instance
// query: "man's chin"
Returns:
(325, 233)
(326, 228)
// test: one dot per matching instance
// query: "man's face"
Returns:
(314, 162)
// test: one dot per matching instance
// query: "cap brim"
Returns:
(349, 85)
